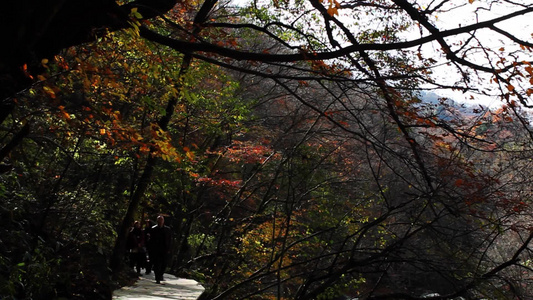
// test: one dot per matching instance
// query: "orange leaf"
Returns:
(50, 92)
(332, 11)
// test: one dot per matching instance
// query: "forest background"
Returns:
(290, 144)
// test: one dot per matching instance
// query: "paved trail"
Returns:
(172, 288)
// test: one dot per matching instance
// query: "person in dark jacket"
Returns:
(136, 245)
(147, 235)
(160, 242)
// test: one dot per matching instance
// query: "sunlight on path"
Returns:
(172, 288)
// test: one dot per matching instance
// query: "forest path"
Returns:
(172, 288)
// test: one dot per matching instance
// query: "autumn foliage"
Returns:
(299, 149)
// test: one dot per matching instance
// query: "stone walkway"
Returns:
(172, 288)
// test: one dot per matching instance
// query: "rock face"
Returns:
(171, 288)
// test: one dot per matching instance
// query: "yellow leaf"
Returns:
(190, 155)
(50, 92)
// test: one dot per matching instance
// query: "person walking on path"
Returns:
(147, 235)
(160, 242)
(137, 250)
